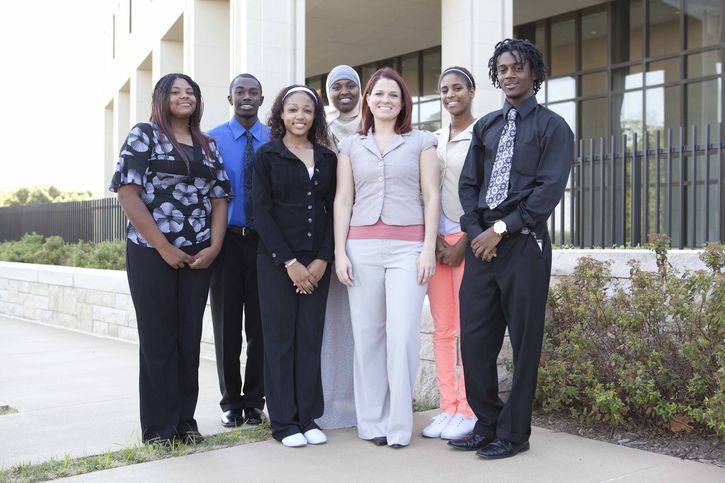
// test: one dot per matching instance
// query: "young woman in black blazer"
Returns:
(294, 188)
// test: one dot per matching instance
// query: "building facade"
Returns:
(621, 71)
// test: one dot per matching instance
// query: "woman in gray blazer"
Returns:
(386, 222)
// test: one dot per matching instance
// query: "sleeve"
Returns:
(267, 228)
(345, 144)
(427, 140)
(327, 248)
(221, 188)
(133, 160)
(551, 177)
(469, 184)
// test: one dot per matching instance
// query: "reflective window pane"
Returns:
(563, 48)
(704, 63)
(703, 104)
(664, 25)
(626, 38)
(627, 78)
(704, 18)
(410, 74)
(561, 88)
(429, 111)
(594, 40)
(594, 115)
(627, 114)
(594, 84)
(663, 112)
(663, 71)
(431, 73)
(567, 110)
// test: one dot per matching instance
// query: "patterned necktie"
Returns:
(248, 174)
(498, 186)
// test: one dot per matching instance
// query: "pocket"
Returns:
(527, 156)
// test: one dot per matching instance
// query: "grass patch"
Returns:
(137, 453)
(7, 410)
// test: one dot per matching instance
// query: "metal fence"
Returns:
(619, 191)
(92, 221)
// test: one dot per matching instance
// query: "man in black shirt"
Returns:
(513, 178)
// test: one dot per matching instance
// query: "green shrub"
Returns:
(651, 353)
(34, 248)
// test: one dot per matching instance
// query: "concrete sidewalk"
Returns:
(77, 395)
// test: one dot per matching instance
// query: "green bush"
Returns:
(34, 248)
(653, 353)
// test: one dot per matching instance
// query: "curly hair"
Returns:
(318, 133)
(523, 51)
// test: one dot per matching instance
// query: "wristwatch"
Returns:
(499, 228)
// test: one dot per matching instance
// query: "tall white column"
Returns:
(470, 30)
(268, 41)
(141, 90)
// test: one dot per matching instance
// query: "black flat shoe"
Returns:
(471, 442)
(500, 448)
(253, 416)
(380, 441)
(232, 418)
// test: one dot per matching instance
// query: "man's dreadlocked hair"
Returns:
(522, 50)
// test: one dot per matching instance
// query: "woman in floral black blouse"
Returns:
(172, 185)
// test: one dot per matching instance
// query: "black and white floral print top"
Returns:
(177, 200)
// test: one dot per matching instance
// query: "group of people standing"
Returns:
(319, 234)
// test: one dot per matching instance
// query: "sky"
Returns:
(53, 70)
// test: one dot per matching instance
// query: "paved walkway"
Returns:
(77, 395)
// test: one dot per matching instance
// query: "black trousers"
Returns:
(169, 307)
(292, 324)
(233, 290)
(510, 291)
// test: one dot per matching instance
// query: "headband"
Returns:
(453, 69)
(301, 89)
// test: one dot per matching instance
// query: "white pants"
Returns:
(385, 304)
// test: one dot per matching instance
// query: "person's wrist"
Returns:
(290, 262)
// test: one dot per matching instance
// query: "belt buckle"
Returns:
(525, 230)
(245, 231)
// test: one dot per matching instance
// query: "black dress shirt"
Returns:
(293, 213)
(542, 158)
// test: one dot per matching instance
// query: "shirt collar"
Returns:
(523, 109)
(238, 130)
(277, 146)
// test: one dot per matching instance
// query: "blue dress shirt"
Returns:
(231, 140)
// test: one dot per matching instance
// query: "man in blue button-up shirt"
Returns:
(234, 280)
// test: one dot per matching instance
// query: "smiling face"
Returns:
(455, 94)
(246, 98)
(515, 77)
(298, 113)
(182, 101)
(344, 95)
(385, 100)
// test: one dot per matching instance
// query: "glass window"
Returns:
(664, 27)
(663, 112)
(704, 18)
(594, 40)
(594, 84)
(627, 114)
(410, 74)
(703, 64)
(703, 104)
(561, 88)
(429, 111)
(431, 73)
(626, 38)
(563, 46)
(535, 32)
(627, 78)
(663, 71)
(594, 115)
(567, 110)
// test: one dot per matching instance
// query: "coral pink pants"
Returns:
(443, 290)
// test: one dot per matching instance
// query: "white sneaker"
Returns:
(458, 427)
(294, 440)
(437, 425)
(315, 436)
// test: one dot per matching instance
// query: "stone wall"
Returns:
(98, 302)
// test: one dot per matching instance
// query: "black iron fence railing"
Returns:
(619, 191)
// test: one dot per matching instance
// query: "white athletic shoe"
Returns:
(315, 436)
(458, 427)
(294, 440)
(437, 425)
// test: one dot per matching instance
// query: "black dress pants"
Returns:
(169, 307)
(293, 325)
(233, 290)
(510, 291)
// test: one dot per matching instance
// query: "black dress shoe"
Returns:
(253, 416)
(191, 438)
(500, 448)
(232, 418)
(471, 442)
(380, 441)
